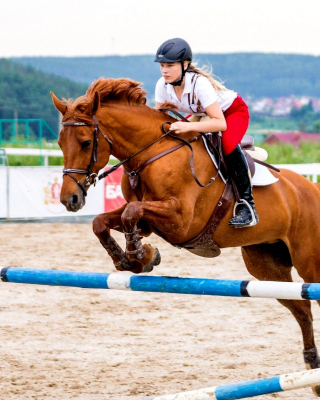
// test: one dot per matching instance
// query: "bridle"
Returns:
(94, 156)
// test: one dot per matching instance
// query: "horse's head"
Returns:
(83, 150)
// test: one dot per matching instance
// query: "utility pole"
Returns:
(15, 117)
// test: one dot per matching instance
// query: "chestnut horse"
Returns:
(113, 118)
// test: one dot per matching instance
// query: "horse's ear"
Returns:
(94, 104)
(59, 105)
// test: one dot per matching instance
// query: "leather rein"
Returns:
(92, 178)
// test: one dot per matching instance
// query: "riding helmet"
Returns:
(174, 50)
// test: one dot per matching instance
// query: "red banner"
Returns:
(113, 197)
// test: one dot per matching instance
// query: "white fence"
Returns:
(34, 152)
(45, 153)
(311, 171)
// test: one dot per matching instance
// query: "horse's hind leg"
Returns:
(272, 262)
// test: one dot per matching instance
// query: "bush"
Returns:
(308, 152)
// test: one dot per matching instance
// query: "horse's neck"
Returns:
(131, 129)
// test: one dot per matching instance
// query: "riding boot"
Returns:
(244, 211)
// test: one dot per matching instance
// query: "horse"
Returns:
(112, 118)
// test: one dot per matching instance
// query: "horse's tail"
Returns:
(317, 186)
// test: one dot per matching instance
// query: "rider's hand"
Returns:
(180, 127)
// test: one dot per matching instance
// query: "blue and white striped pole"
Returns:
(243, 390)
(164, 284)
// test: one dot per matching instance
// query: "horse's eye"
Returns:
(86, 144)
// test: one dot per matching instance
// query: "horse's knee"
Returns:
(132, 214)
(100, 224)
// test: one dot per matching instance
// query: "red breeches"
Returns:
(237, 119)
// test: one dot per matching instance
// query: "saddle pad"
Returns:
(262, 176)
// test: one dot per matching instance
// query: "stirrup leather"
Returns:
(253, 217)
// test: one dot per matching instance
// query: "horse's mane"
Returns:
(110, 90)
(123, 90)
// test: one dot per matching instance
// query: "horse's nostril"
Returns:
(74, 199)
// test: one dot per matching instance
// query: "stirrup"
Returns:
(253, 217)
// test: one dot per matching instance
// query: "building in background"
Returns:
(293, 138)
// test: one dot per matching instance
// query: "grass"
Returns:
(30, 161)
(288, 154)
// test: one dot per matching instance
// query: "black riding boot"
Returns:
(244, 211)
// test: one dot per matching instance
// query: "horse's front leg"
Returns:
(165, 215)
(101, 227)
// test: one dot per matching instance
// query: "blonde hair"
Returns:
(207, 72)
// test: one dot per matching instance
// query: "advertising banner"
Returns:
(34, 192)
(3, 191)
(113, 197)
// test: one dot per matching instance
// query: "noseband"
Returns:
(94, 156)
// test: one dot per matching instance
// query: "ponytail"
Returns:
(204, 71)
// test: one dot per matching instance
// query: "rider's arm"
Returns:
(216, 123)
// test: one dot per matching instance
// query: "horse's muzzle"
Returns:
(73, 202)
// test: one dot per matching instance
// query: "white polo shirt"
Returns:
(202, 91)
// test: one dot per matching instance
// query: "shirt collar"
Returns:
(187, 85)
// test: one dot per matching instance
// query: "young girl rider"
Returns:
(194, 91)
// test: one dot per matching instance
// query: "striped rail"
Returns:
(142, 283)
(197, 286)
(243, 390)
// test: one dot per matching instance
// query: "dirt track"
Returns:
(67, 343)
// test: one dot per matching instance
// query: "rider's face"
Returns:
(171, 71)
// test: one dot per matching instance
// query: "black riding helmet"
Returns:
(174, 50)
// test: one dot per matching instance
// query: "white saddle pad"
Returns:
(262, 176)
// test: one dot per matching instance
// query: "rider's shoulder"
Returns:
(203, 83)
(161, 82)
(160, 85)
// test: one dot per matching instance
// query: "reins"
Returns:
(133, 175)
(110, 170)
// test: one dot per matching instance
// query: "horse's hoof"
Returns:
(156, 259)
(312, 361)
(316, 390)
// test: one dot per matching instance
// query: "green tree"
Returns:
(316, 125)
(25, 92)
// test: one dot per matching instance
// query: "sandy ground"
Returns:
(69, 343)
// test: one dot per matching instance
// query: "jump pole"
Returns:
(162, 284)
(243, 390)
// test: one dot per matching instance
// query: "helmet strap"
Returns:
(179, 82)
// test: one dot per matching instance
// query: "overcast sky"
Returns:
(104, 27)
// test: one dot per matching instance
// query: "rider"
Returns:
(194, 90)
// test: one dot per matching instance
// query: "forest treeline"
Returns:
(25, 82)
(25, 92)
(250, 74)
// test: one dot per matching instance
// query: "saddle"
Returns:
(252, 153)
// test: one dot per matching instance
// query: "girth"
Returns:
(203, 244)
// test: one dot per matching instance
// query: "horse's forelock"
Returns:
(76, 108)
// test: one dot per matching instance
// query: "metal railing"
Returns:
(25, 131)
